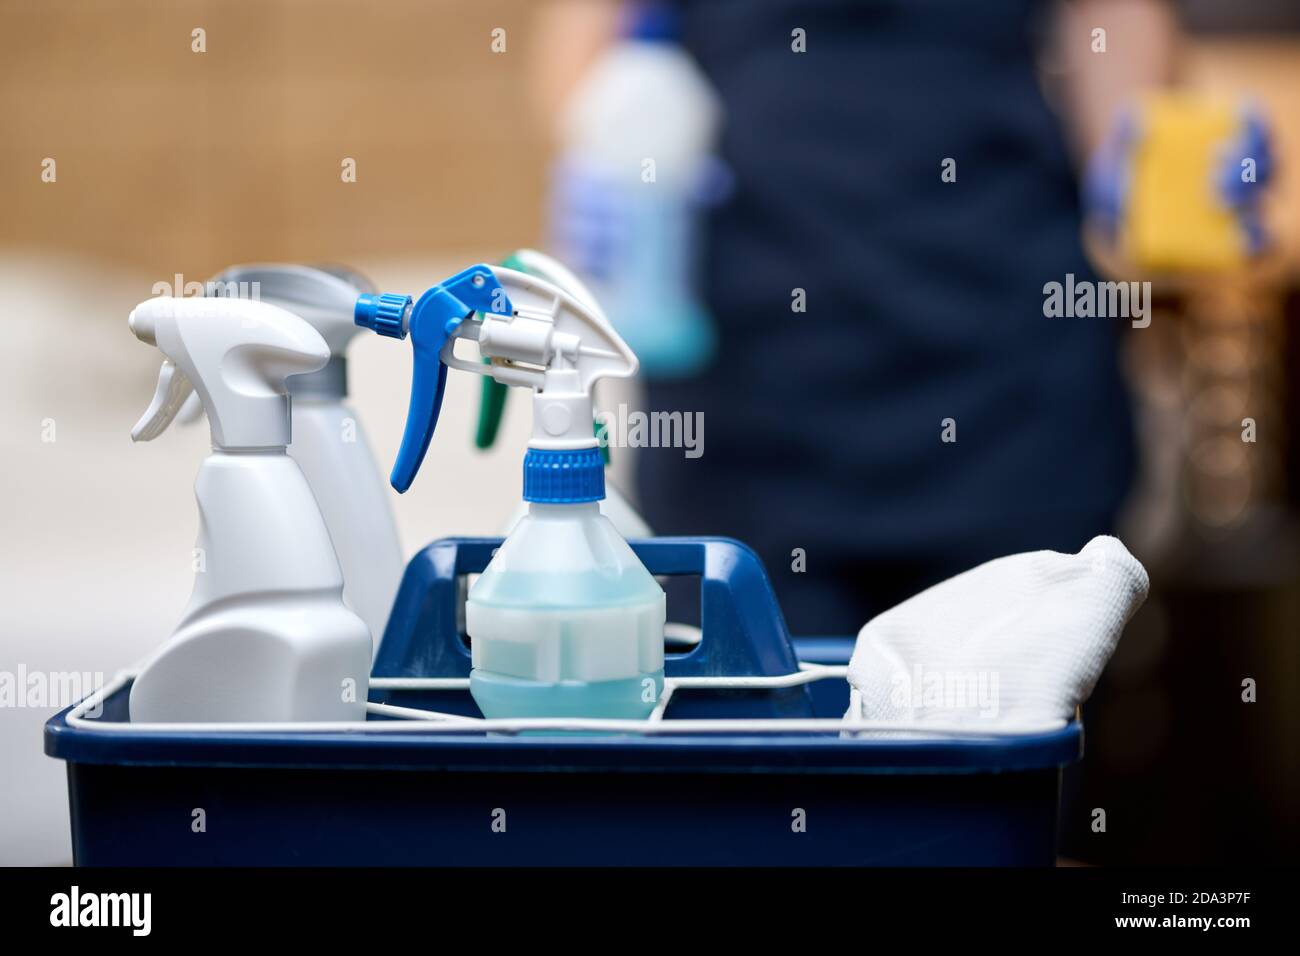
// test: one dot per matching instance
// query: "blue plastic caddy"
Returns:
(428, 796)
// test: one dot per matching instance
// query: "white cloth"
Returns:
(1013, 645)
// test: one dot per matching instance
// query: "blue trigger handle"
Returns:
(430, 323)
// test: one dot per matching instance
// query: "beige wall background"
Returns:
(183, 161)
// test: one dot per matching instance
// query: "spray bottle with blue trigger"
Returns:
(565, 621)
(432, 323)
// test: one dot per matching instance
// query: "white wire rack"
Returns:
(416, 720)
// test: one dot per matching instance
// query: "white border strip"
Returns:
(416, 720)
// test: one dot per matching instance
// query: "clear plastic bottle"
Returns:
(566, 621)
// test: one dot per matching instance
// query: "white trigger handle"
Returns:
(173, 388)
(550, 330)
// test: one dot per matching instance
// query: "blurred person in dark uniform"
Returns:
(923, 414)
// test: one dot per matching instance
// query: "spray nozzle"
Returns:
(493, 401)
(431, 322)
(322, 295)
(532, 333)
(236, 354)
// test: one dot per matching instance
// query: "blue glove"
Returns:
(1107, 177)
(1242, 188)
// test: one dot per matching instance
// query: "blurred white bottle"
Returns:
(635, 169)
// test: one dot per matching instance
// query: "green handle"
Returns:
(492, 403)
(490, 407)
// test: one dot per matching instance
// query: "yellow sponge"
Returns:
(1174, 220)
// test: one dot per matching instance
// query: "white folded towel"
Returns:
(1014, 645)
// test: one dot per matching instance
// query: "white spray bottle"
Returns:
(565, 621)
(266, 635)
(329, 443)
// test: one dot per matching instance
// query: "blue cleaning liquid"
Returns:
(629, 698)
(566, 622)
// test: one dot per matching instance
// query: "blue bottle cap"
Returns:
(563, 475)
